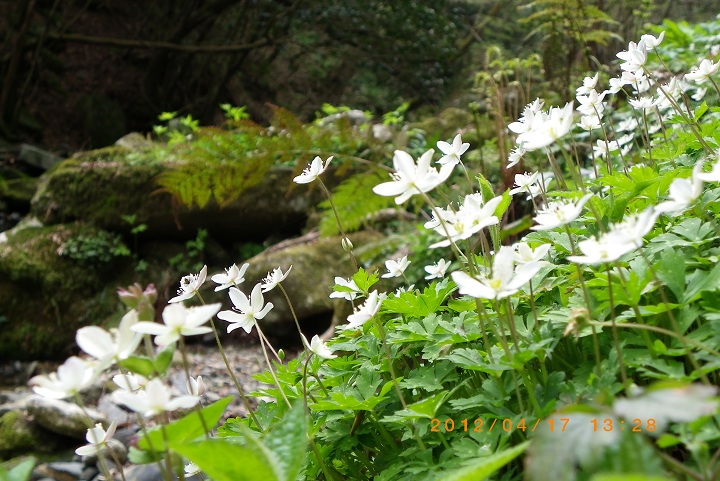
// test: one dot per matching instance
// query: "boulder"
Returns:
(315, 262)
(101, 187)
(19, 434)
(63, 417)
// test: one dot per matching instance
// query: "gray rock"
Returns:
(143, 472)
(62, 471)
(63, 417)
(112, 411)
(89, 473)
(19, 435)
(37, 157)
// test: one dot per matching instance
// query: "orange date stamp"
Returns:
(553, 424)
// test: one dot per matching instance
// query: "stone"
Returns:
(63, 417)
(62, 471)
(19, 435)
(37, 157)
(143, 472)
(315, 263)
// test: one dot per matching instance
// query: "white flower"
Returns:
(410, 179)
(195, 387)
(154, 399)
(699, 94)
(191, 470)
(312, 171)
(437, 270)
(683, 193)
(469, 219)
(318, 347)
(650, 41)
(350, 284)
(548, 128)
(633, 229)
(396, 267)
(703, 72)
(452, 152)
(643, 103)
(505, 280)
(589, 122)
(108, 347)
(515, 156)
(556, 214)
(71, 377)
(189, 285)
(129, 382)
(251, 309)
(628, 124)
(97, 438)
(603, 147)
(274, 278)
(233, 277)
(589, 83)
(179, 321)
(526, 255)
(712, 176)
(524, 181)
(367, 310)
(599, 251)
(591, 104)
(634, 57)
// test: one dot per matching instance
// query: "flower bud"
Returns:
(281, 354)
(346, 244)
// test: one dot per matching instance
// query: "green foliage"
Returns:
(99, 248)
(17, 471)
(192, 259)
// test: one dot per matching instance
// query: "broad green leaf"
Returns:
(669, 402)
(185, 429)
(164, 358)
(139, 365)
(223, 460)
(288, 440)
(484, 467)
(19, 472)
(701, 281)
(671, 270)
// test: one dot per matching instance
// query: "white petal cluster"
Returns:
(396, 268)
(703, 72)
(97, 438)
(312, 171)
(538, 129)
(274, 278)
(557, 214)
(232, 278)
(189, 285)
(411, 178)
(108, 347)
(437, 270)
(452, 152)
(348, 283)
(472, 216)
(367, 310)
(71, 377)
(154, 399)
(251, 309)
(178, 321)
(505, 279)
(318, 347)
(622, 238)
(683, 193)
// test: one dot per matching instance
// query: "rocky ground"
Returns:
(45, 418)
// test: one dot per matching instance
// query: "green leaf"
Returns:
(185, 429)
(223, 460)
(702, 281)
(139, 365)
(288, 441)
(671, 270)
(365, 281)
(164, 358)
(484, 467)
(628, 477)
(19, 472)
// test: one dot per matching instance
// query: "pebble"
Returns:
(63, 417)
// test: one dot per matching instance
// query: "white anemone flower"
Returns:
(154, 399)
(195, 386)
(598, 251)
(71, 377)
(506, 279)
(312, 171)
(396, 268)
(452, 152)
(683, 193)
(251, 309)
(97, 438)
(178, 321)
(348, 283)
(108, 347)
(556, 214)
(470, 218)
(410, 178)
(650, 41)
(367, 310)
(232, 278)
(524, 181)
(274, 278)
(703, 72)
(318, 347)
(130, 382)
(191, 470)
(437, 270)
(527, 255)
(189, 285)
(549, 128)
(589, 83)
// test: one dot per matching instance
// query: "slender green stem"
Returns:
(263, 340)
(339, 224)
(186, 368)
(616, 339)
(294, 316)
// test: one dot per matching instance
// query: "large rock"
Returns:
(62, 417)
(102, 186)
(19, 435)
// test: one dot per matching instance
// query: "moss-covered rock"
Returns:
(100, 187)
(54, 280)
(20, 435)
